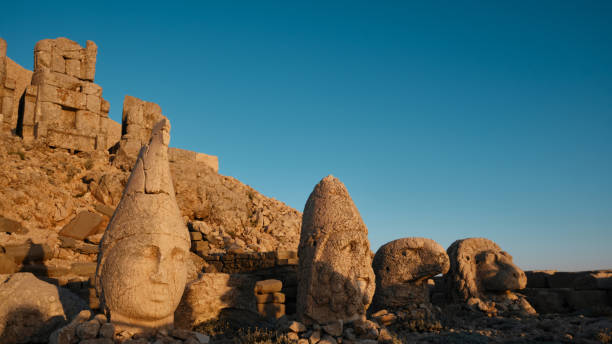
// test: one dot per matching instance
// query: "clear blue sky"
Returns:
(444, 119)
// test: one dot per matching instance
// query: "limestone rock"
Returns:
(480, 270)
(141, 271)
(31, 309)
(336, 280)
(402, 268)
(206, 297)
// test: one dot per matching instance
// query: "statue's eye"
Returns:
(151, 252)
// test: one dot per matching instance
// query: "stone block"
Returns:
(42, 60)
(270, 298)
(58, 64)
(271, 310)
(104, 106)
(580, 300)
(268, 286)
(208, 160)
(10, 83)
(85, 269)
(87, 121)
(205, 297)
(90, 88)
(65, 97)
(73, 67)
(104, 209)
(564, 279)
(83, 225)
(11, 226)
(548, 300)
(595, 280)
(70, 141)
(93, 103)
(51, 113)
(538, 278)
(46, 77)
(3, 47)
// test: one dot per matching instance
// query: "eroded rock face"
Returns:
(484, 276)
(336, 280)
(31, 309)
(141, 266)
(402, 268)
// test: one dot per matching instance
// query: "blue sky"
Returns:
(444, 119)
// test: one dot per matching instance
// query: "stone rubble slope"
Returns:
(43, 189)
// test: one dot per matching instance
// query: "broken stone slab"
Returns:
(206, 297)
(28, 253)
(83, 225)
(11, 226)
(268, 286)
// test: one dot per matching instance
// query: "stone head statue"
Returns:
(481, 271)
(402, 268)
(336, 281)
(141, 272)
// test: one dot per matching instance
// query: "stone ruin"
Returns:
(483, 276)
(60, 104)
(336, 280)
(403, 268)
(63, 106)
(13, 82)
(141, 270)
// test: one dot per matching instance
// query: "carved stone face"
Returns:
(349, 255)
(497, 272)
(336, 280)
(402, 268)
(145, 277)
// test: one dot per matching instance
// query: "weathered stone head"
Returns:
(481, 272)
(141, 271)
(402, 268)
(336, 281)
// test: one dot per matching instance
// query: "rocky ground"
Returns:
(455, 325)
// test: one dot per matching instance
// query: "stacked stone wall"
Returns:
(588, 292)
(63, 106)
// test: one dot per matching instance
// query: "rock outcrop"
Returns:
(141, 270)
(483, 276)
(31, 309)
(402, 268)
(336, 280)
